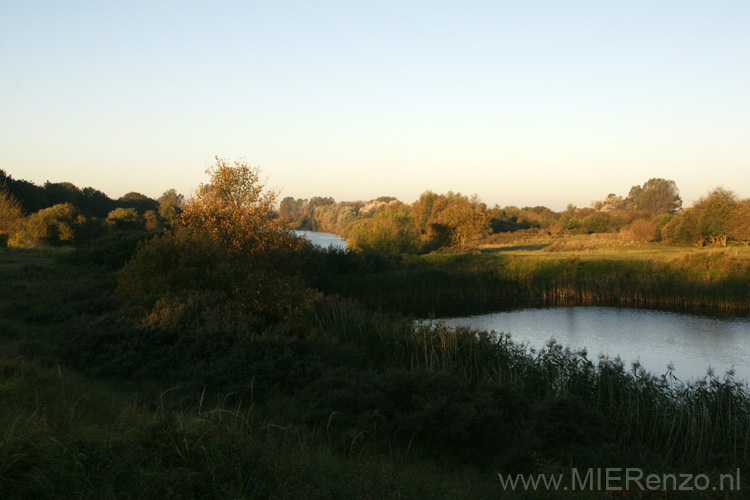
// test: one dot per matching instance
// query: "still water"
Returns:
(324, 240)
(691, 343)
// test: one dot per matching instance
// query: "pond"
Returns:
(324, 240)
(690, 343)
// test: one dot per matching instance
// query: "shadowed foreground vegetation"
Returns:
(197, 398)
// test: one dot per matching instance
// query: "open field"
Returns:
(600, 246)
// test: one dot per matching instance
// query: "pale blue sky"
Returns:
(520, 102)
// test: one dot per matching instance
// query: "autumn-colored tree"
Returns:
(124, 219)
(642, 230)
(714, 219)
(451, 218)
(715, 210)
(738, 226)
(235, 208)
(11, 215)
(422, 210)
(466, 218)
(390, 230)
(229, 240)
(286, 207)
(55, 225)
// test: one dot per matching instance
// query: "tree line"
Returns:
(650, 212)
(60, 213)
(64, 214)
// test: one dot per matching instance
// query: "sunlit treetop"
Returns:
(235, 208)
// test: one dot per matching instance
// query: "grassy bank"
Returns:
(591, 271)
(193, 398)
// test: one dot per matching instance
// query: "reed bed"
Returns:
(703, 423)
(455, 287)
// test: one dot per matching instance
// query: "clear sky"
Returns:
(521, 102)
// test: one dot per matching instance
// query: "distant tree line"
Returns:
(61, 213)
(650, 212)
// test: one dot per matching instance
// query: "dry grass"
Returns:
(600, 246)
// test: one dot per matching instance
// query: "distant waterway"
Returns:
(324, 240)
(657, 339)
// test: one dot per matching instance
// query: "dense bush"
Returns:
(112, 250)
(55, 225)
(198, 341)
(642, 230)
(434, 409)
(11, 215)
(390, 230)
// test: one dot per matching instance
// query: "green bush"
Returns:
(389, 231)
(112, 250)
(185, 262)
(196, 341)
(55, 225)
(437, 410)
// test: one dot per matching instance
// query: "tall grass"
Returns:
(62, 436)
(470, 283)
(701, 423)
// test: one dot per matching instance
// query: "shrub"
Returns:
(113, 250)
(196, 341)
(642, 231)
(438, 410)
(55, 225)
(174, 264)
(11, 216)
(125, 219)
(388, 231)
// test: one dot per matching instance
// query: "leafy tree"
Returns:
(422, 210)
(4, 179)
(320, 201)
(235, 209)
(714, 212)
(151, 221)
(62, 192)
(55, 225)
(138, 201)
(450, 218)
(286, 208)
(738, 227)
(30, 196)
(390, 230)
(229, 239)
(11, 215)
(709, 221)
(124, 219)
(596, 222)
(174, 264)
(334, 218)
(93, 202)
(611, 202)
(170, 205)
(465, 218)
(656, 196)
